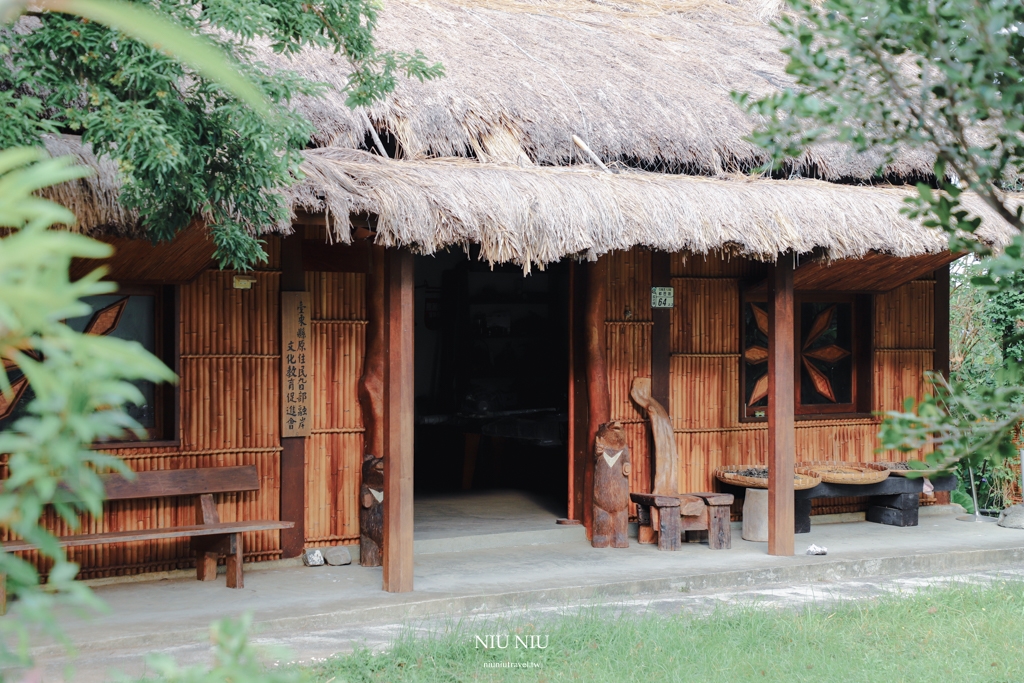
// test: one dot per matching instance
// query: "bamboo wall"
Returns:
(705, 368)
(229, 407)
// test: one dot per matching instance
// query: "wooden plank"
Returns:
(234, 562)
(138, 261)
(160, 483)
(400, 307)
(598, 396)
(874, 272)
(781, 405)
(336, 258)
(293, 447)
(296, 368)
(190, 531)
(940, 302)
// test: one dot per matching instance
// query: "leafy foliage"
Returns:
(946, 77)
(186, 145)
(81, 385)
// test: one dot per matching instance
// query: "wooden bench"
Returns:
(211, 539)
(894, 501)
(667, 517)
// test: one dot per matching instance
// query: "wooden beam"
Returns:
(400, 306)
(598, 397)
(782, 371)
(293, 449)
(336, 258)
(139, 261)
(940, 303)
(872, 273)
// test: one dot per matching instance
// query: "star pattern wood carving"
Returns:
(811, 356)
(103, 322)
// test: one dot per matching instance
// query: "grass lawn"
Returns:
(952, 634)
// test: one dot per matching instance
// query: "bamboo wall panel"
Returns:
(628, 347)
(229, 403)
(705, 392)
(904, 317)
(705, 374)
(706, 316)
(629, 285)
(629, 356)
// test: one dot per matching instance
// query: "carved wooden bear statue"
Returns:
(371, 512)
(611, 487)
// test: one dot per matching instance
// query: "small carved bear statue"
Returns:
(611, 487)
(371, 511)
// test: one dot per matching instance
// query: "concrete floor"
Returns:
(320, 611)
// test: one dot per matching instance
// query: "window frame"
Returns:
(862, 352)
(167, 338)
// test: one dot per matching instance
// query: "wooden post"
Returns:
(293, 449)
(371, 401)
(940, 304)
(782, 371)
(598, 397)
(579, 446)
(661, 334)
(400, 307)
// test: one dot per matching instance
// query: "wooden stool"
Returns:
(702, 511)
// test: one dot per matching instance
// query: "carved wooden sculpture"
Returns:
(371, 511)
(611, 487)
(666, 463)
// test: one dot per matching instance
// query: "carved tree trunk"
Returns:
(611, 487)
(371, 400)
(666, 462)
(598, 398)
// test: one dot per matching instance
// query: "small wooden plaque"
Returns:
(296, 346)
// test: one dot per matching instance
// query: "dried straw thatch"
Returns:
(648, 83)
(537, 215)
(487, 152)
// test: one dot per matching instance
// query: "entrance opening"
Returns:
(491, 393)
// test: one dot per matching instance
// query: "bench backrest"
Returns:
(161, 483)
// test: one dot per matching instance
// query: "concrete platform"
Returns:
(294, 604)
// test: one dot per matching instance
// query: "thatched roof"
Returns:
(647, 83)
(537, 215)
(487, 152)
(532, 215)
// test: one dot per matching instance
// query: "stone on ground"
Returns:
(337, 556)
(1012, 517)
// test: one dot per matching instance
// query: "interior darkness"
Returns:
(491, 377)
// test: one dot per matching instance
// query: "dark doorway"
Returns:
(491, 378)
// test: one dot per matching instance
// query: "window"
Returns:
(832, 340)
(147, 315)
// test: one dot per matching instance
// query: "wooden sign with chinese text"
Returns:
(295, 371)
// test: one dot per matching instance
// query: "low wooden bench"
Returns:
(211, 539)
(668, 517)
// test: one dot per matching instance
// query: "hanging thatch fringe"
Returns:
(537, 215)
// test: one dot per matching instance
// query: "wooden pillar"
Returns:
(598, 397)
(293, 449)
(781, 405)
(579, 446)
(940, 303)
(399, 385)
(371, 403)
(661, 333)
(661, 364)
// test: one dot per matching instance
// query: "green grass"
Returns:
(952, 634)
